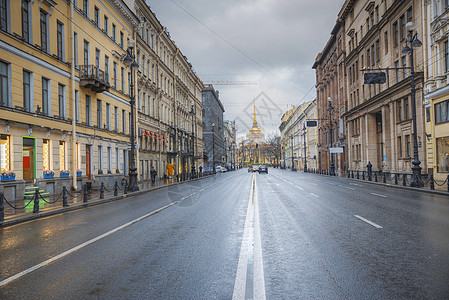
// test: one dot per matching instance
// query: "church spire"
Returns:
(255, 121)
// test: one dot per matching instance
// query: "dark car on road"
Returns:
(263, 168)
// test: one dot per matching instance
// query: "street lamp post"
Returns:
(414, 42)
(293, 161)
(330, 109)
(130, 62)
(213, 148)
(192, 112)
(305, 151)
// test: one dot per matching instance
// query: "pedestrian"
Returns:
(153, 175)
(201, 169)
(369, 166)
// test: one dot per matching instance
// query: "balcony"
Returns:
(93, 78)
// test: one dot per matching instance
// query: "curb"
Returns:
(55, 211)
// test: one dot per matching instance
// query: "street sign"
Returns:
(311, 123)
(375, 78)
(295, 154)
(336, 150)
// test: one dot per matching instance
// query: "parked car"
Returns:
(221, 169)
(263, 168)
(250, 169)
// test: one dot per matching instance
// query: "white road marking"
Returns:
(299, 187)
(59, 256)
(314, 195)
(379, 195)
(346, 187)
(355, 184)
(250, 254)
(314, 183)
(368, 221)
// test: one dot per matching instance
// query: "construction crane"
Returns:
(230, 82)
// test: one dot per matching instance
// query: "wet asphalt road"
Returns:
(281, 235)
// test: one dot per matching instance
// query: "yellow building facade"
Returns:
(436, 91)
(65, 105)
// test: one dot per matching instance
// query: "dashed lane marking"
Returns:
(379, 195)
(314, 195)
(346, 187)
(368, 221)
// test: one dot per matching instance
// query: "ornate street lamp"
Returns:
(213, 148)
(293, 161)
(330, 109)
(129, 61)
(414, 42)
(192, 112)
(305, 151)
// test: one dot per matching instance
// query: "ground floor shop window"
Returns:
(61, 155)
(46, 154)
(5, 157)
(443, 154)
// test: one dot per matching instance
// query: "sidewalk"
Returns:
(441, 188)
(75, 201)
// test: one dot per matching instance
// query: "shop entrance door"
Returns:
(88, 163)
(28, 159)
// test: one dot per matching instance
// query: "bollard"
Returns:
(375, 176)
(349, 173)
(358, 174)
(116, 189)
(352, 174)
(36, 201)
(64, 196)
(385, 177)
(2, 208)
(85, 193)
(363, 175)
(404, 179)
(102, 191)
(126, 187)
(395, 178)
(370, 176)
(432, 184)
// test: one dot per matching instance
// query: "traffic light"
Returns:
(257, 146)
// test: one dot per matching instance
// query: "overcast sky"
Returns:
(273, 43)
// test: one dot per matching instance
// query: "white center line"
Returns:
(379, 195)
(299, 187)
(368, 221)
(314, 195)
(314, 183)
(355, 184)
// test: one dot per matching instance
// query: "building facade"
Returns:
(230, 137)
(65, 105)
(213, 132)
(168, 100)
(436, 90)
(379, 116)
(332, 99)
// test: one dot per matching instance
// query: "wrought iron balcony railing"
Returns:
(94, 78)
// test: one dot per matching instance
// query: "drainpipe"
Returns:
(72, 82)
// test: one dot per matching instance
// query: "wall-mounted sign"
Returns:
(375, 78)
(336, 150)
(311, 123)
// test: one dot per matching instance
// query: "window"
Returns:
(99, 114)
(400, 147)
(62, 155)
(116, 119)
(100, 158)
(117, 159)
(407, 109)
(396, 65)
(114, 32)
(115, 75)
(46, 154)
(442, 112)
(86, 7)
(407, 146)
(26, 21)
(27, 91)
(442, 154)
(123, 121)
(410, 11)
(109, 159)
(97, 58)
(77, 106)
(60, 40)
(61, 100)
(4, 84)
(5, 153)
(44, 31)
(378, 50)
(400, 110)
(386, 41)
(45, 97)
(106, 68)
(86, 53)
(108, 116)
(123, 79)
(403, 30)
(427, 113)
(122, 43)
(75, 42)
(4, 14)
(446, 56)
(395, 33)
(377, 14)
(106, 25)
(404, 65)
(97, 16)
(88, 109)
